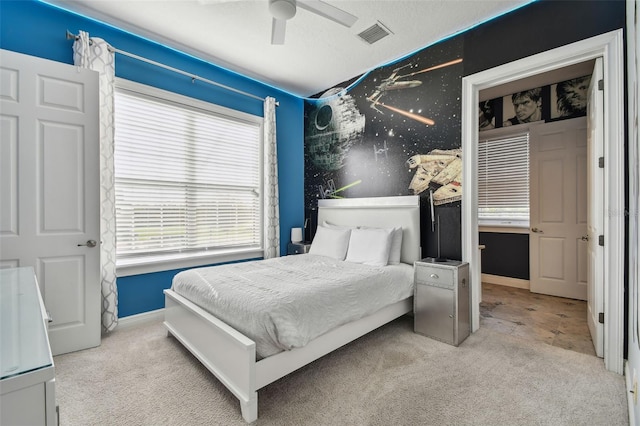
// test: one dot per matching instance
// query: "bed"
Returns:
(232, 356)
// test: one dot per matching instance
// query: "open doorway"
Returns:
(532, 197)
(609, 47)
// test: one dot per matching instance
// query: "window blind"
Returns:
(186, 179)
(503, 180)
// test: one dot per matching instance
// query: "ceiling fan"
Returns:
(283, 10)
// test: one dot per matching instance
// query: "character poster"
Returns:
(569, 98)
(394, 131)
(558, 101)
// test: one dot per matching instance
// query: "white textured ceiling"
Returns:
(317, 53)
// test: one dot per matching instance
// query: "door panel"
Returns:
(50, 190)
(583, 261)
(557, 208)
(552, 258)
(551, 175)
(582, 187)
(63, 281)
(62, 173)
(595, 202)
(8, 176)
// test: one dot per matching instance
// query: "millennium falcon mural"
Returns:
(439, 170)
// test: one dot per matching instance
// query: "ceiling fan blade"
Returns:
(278, 27)
(330, 12)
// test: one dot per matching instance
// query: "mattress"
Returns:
(284, 303)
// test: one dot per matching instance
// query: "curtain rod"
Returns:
(176, 70)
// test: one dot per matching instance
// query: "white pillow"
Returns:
(396, 246)
(330, 242)
(331, 225)
(369, 246)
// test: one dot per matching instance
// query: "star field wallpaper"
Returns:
(396, 130)
(391, 133)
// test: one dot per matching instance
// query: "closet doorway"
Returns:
(609, 47)
(533, 211)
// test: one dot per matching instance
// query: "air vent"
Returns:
(374, 33)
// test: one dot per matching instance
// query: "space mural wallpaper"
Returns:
(394, 131)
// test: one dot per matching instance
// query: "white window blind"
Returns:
(503, 181)
(187, 179)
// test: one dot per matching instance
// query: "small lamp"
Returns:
(296, 235)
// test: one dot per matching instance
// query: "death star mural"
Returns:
(333, 127)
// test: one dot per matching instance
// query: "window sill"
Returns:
(162, 263)
(505, 229)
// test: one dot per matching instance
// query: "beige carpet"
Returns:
(139, 376)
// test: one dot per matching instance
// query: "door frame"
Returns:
(609, 46)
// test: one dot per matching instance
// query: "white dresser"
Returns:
(27, 384)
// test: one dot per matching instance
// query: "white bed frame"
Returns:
(231, 356)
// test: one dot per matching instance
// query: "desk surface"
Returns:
(24, 345)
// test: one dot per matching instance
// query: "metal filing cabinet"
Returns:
(441, 302)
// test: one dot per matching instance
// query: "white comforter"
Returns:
(283, 303)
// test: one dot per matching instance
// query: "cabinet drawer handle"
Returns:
(434, 276)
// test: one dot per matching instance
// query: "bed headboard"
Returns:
(381, 212)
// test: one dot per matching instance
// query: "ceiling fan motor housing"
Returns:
(282, 9)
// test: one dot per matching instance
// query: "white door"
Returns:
(595, 218)
(558, 209)
(49, 191)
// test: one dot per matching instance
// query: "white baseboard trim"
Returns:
(506, 281)
(139, 319)
(630, 394)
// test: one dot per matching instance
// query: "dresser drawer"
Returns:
(434, 276)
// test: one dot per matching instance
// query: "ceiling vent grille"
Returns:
(374, 33)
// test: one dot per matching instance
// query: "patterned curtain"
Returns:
(271, 197)
(97, 55)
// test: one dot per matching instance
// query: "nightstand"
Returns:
(441, 302)
(298, 248)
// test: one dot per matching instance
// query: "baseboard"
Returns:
(139, 319)
(630, 395)
(506, 281)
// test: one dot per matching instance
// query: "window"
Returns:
(503, 181)
(187, 177)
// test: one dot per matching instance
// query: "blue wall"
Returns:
(39, 29)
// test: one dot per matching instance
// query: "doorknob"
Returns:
(536, 230)
(585, 238)
(89, 243)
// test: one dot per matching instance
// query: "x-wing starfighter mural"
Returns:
(396, 82)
